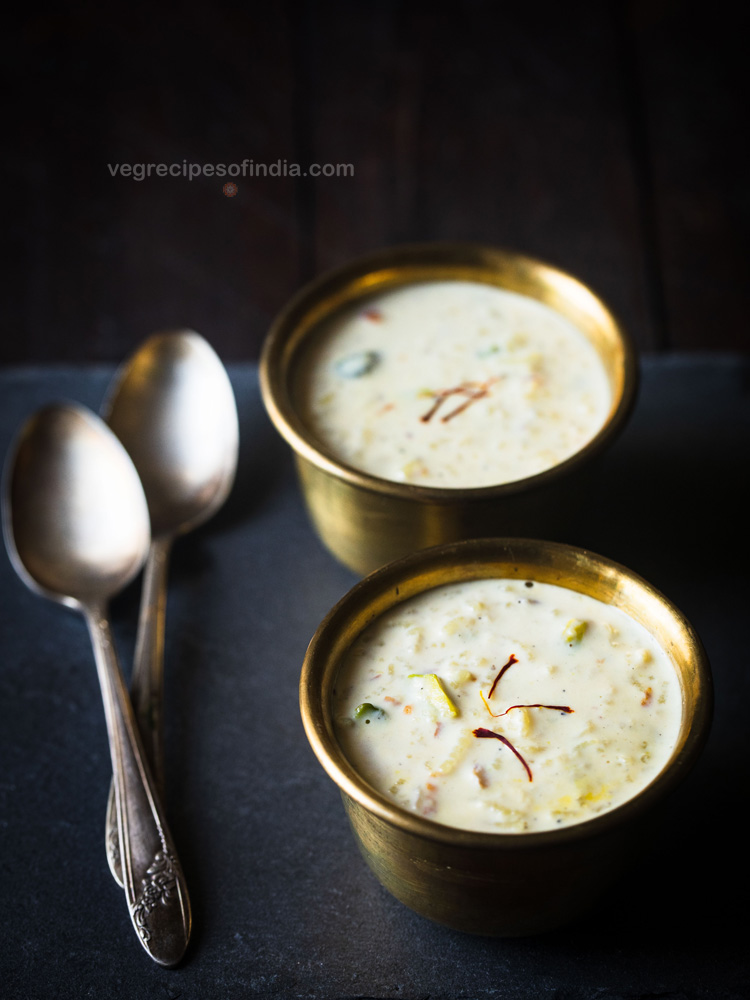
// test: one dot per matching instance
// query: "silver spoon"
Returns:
(77, 530)
(172, 406)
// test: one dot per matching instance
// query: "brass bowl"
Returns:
(484, 883)
(366, 521)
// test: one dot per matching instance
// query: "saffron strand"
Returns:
(486, 733)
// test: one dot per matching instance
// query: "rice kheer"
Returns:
(454, 384)
(507, 706)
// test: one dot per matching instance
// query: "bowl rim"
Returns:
(412, 570)
(478, 258)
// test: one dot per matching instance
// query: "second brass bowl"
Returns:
(501, 884)
(366, 521)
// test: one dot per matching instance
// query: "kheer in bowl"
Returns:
(501, 717)
(438, 392)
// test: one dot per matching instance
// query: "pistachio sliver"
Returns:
(366, 712)
(436, 694)
(575, 630)
(357, 365)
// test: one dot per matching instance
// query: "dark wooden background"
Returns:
(607, 138)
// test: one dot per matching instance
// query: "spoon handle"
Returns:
(147, 685)
(155, 887)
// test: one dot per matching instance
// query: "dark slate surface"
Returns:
(284, 907)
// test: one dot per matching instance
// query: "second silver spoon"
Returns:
(173, 408)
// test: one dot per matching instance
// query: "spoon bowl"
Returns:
(172, 406)
(78, 528)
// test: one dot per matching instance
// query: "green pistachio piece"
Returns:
(357, 365)
(575, 630)
(367, 712)
(487, 352)
(436, 694)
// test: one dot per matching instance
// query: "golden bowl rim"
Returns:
(318, 721)
(273, 370)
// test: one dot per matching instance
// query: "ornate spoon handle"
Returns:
(147, 685)
(154, 885)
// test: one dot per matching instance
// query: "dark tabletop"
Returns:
(283, 904)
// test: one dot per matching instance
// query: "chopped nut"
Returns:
(456, 625)
(574, 630)
(366, 711)
(436, 694)
(462, 677)
(481, 775)
(414, 469)
(357, 365)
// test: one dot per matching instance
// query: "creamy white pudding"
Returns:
(455, 384)
(507, 706)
